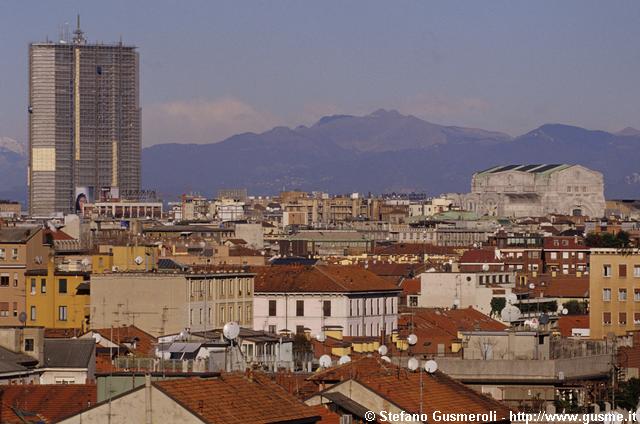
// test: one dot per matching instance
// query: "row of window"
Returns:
(326, 308)
(495, 279)
(373, 307)
(353, 330)
(62, 286)
(223, 288)
(622, 294)
(224, 314)
(622, 318)
(607, 270)
(62, 313)
(566, 255)
(576, 189)
(3, 254)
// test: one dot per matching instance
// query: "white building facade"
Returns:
(535, 190)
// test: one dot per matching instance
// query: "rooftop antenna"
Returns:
(78, 35)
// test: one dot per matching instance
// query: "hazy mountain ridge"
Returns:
(381, 152)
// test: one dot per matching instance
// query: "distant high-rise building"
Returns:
(84, 123)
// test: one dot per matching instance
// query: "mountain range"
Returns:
(384, 151)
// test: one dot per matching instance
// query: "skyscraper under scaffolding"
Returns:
(84, 123)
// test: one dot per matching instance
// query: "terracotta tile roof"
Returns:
(454, 320)
(238, 399)
(104, 364)
(327, 416)
(401, 387)
(237, 250)
(480, 256)
(566, 323)
(319, 278)
(145, 342)
(386, 269)
(410, 286)
(436, 326)
(57, 235)
(43, 402)
(560, 286)
(295, 383)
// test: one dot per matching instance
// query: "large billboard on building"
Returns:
(83, 196)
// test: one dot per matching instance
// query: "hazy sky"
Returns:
(210, 69)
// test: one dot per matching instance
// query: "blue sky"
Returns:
(210, 69)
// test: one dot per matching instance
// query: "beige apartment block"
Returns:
(168, 303)
(614, 292)
(22, 250)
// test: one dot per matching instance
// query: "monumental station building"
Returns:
(535, 190)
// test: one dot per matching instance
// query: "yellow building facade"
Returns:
(125, 258)
(614, 292)
(57, 299)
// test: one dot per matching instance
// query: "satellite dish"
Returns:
(138, 260)
(532, 286)
(344, 359)
(510, 313)
(385, 358)
(511, 298)
(325, 361)
(544, 319)
(231, 330)
(97, 337)
(321, 337)
(485, 267)
(22, 317)
(565, 311)
(382, 350)
(431, 366)
(413, 364)
(412, 339)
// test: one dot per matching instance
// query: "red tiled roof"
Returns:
(327, 416)
(238, 399)
(47, 403)
(295, 383)
(57, 235)
(566, 323)
(237, 250)
(479, 256)
(435, 326)
(145, 343)
(561, 286)
(386, 269)
(319, 278)
(410, 286)
(401, 387)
